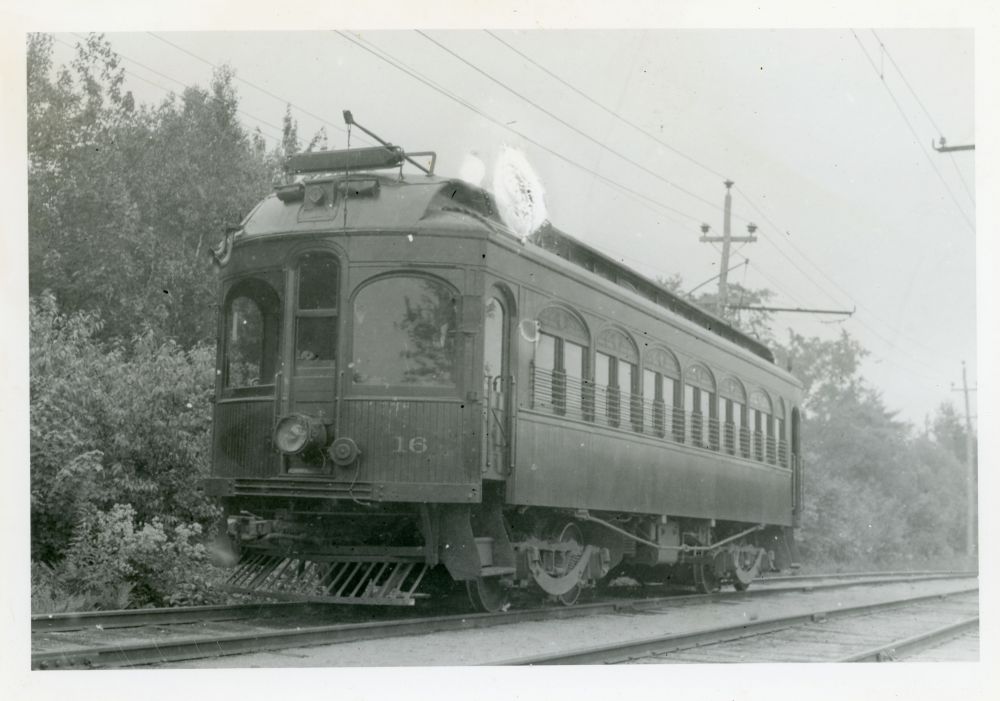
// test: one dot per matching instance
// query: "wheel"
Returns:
(705, 579)
(486, 594)
(746, 566)
(571, 535)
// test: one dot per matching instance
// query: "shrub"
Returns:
(113, 425)
(112, 559)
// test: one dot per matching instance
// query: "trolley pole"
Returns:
(726, 240)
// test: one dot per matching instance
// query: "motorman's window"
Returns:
(316, 312)
(251, 335)
(559, 366)
(405, 333)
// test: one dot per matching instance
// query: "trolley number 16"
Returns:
(416, 445)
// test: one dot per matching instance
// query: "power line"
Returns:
(175, 80)
(927, 113)
(907, 83)
(689, 158)
(265, 91)
(395, 63)
(605, 108)
(913, 131)
(597, 142)
(383, 55)
(388, 58)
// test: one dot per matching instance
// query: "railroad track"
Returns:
(802, 637)
(159, 646)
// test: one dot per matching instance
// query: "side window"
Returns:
(761, 426)
(405, 333)
(316, 312)
(250, 349)
(702, 407)
(616, 381)
(732, 399)
(661, 397)
(559, 367)
(782, 434)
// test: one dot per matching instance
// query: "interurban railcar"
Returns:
(405, 387)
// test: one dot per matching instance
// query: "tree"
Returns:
(124, 202)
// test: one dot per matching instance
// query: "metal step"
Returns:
(385, 581)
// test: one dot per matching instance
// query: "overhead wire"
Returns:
(395, 63)
(597, 142)
(603, 107)
(913, 131)
(646, 133)
(927, 113)
(573, 128)
(276, 137)
(697, 162)
(444, 91)
(265, 91)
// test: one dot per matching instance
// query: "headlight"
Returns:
(297, 433)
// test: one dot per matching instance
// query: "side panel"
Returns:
(573, 465)
(409, 441)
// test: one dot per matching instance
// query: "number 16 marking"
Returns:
(415, 445)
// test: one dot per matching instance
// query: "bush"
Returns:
(119, 441)
(112, 556)
(113, 425)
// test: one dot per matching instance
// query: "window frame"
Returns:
(270, 319)
(353, 388)
(298, 313)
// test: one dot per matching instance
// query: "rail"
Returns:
(662, 644)
(163, 651)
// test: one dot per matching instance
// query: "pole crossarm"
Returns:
(727, 239)
(941, 148)
(732, 239)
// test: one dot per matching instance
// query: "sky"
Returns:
(827, 134)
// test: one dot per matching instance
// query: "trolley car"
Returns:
(405, 387)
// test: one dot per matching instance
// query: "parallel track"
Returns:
(660, 645)
(162, 651)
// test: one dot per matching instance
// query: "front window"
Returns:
(251, 336)
(404, 333)
(316, 313)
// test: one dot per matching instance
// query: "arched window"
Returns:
(732, 415)
(616, 381)
(699, 399)
(560, 365)
(404, 333)
(780, 417)
(761, 424)
(250, 345)
(661, 393)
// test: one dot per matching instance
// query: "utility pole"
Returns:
(970, 466)
(726, 239)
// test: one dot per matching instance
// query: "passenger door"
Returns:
(497, 388)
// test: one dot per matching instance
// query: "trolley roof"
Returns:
(373, 201)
